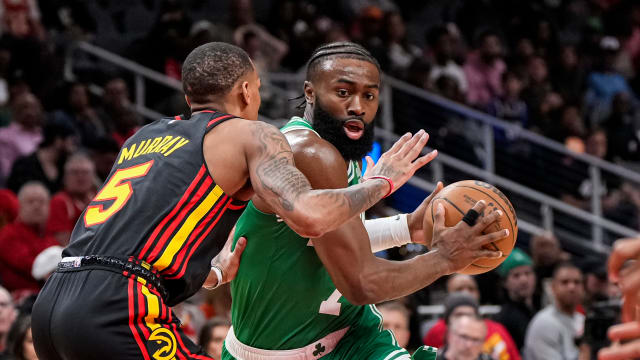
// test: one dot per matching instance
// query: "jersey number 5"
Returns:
(118, 189)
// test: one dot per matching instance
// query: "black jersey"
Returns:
(160, 205)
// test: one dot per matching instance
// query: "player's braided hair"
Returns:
(212, 69)
(340, 49)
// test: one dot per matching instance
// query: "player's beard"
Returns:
(331, 129)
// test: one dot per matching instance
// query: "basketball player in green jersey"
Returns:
(296, 298)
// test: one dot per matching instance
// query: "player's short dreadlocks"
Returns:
(212, 69)
(341, 49)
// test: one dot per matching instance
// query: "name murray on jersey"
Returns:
(165, 145)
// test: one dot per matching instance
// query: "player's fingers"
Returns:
(435, 192)
(490, 254)
(415, 151)
(370, 165)
(398, 144)
(470, 219)
(487, 220)
(629, 350)
(241, 244)
(410, 144)
(623, 250)
(438, 222)
(630, 284)
(491, 237)
(423, 160)
(624, 331)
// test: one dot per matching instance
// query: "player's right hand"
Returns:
(460, 245)
(398, 162)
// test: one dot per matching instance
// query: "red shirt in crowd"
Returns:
(64, 212)
(19, 246)
(498, 342)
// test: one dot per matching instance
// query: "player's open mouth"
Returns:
(354, 129)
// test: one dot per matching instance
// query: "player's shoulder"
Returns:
(306, 144)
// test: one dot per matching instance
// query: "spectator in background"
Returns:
(24, 133)
(45, 164)
(483, 69)
(464, 340)
(115, 99)
(604, 83)
(79, 112)
(68, 204)
(125, 123)
(266, 51)
(546, 254)
(509, 107)
(538, 84)
(25, 238)
(7, 316)
(212, 336)
(519, 281)
(554, 332)
(104, 153)
(20, 341)
(399, 52)
(568, 75)
(8, 208)
(623, 130)
(395, 317)
(440, 54)
(21, 18)
(464, 301)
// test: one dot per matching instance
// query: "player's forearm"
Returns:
(389, 280)
(317, 212)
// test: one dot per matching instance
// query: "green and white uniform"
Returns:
(283, 297)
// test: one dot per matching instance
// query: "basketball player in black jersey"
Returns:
(147, 239)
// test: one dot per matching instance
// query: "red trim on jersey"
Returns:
(177, 117)
(132, 325)
(142, 311)
(213, 121)
(185, 248)
(170, 230)
(237, 207)
(182, 265)
(164, 221)
(185, 349)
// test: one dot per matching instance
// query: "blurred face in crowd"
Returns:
(78, 97)
(572, 121)
(218, 334)
(545, 250)
(524, 48)
(567, 288)
(116, 93)
(465, 338)
(463, 283)
(28, 351)
(344, 95)
(79, 175)
(27, 110)
(395, 27)
(34, 205)
(538, 71)
(512, 85)
(397, 321)
(521, 283)
(597, 144)
(490, 48)
(7, 311)
(460, 311)
(621, 103)
(568, 57)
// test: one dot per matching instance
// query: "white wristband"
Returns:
(218, 272)
(388, 232)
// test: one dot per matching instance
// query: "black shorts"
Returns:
(99, 314)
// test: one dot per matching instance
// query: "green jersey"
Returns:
(283, 297)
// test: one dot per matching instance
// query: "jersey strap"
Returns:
(298, 123)
(216, 119)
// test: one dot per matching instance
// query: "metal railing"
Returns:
(548, 205)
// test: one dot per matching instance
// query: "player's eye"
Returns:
(343, 92)
(369, 96)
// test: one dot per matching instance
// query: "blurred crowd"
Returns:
(565, 69)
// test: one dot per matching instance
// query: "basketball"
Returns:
(458, 198)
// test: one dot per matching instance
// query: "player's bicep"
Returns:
(272, 172)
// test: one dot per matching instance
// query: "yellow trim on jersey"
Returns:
(176, 243)
(153, 309)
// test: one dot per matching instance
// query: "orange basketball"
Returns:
(458, 198)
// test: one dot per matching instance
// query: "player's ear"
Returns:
(246, 95)
(309, 92)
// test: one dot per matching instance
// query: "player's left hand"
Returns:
(228, 261)
(415, 219)
(628, 349)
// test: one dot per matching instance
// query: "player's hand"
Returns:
(624, 269)
(415, 220)
(622, 332)
(401, 161)
(461, 245)
(228, 261)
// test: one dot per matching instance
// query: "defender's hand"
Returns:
(398, 162)
(628, 350)
(228, 261)
(624, 270)
(461, 245)
(415, 220)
